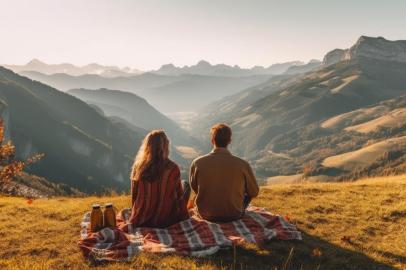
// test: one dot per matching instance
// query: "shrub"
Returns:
(10, 167)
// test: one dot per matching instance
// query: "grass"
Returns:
(358, 225)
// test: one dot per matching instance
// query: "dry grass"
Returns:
(365, 156)
(392, 119)
(360, 115)
(346, 81)
(357, 225)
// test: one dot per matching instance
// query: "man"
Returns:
(224, 184)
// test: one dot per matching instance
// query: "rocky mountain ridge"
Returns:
(369, 47)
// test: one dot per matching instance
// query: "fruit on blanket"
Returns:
(109, 216)
(96, 218)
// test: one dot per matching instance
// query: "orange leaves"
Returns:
(7, 150)
(10, 167)
(9, 171)
(34, 158)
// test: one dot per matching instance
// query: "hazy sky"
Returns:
(147, 34)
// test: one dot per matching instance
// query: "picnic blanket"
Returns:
(194, 236)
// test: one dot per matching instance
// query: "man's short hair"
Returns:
(221, 135)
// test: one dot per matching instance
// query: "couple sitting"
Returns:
(224, 184)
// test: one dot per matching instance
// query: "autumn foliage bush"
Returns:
(10, 167)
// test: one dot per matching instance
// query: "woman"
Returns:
(158, 197)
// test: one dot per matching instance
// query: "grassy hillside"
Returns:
(320, 95)
(356, 130)
(357, 225)
(365, 156)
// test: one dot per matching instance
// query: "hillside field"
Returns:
(358, 225)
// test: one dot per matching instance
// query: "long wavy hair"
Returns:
(152, 157)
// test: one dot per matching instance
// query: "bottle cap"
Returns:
(108, 205)
(96, 206)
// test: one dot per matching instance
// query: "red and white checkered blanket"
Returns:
(195, 237)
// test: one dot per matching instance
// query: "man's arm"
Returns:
(193, 177)
(251, 183)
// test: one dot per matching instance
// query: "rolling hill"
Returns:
(366, 156)
(334, 150)
(391, 119)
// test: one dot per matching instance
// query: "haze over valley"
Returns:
(331, 120)
(164, 88)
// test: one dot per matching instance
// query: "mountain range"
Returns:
(201, 68)
(207, 69)
(66, 68)
(338, 119)
(167, 88)
(166, 93)
(285, 113)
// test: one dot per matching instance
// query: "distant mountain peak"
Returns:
(369, 47)
(370, 39)
(35, 62)
(314, 61)
(170, 65)
(334, 56)
(304, 67)
(203, 63)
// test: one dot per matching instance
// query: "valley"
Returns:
(333, 120)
